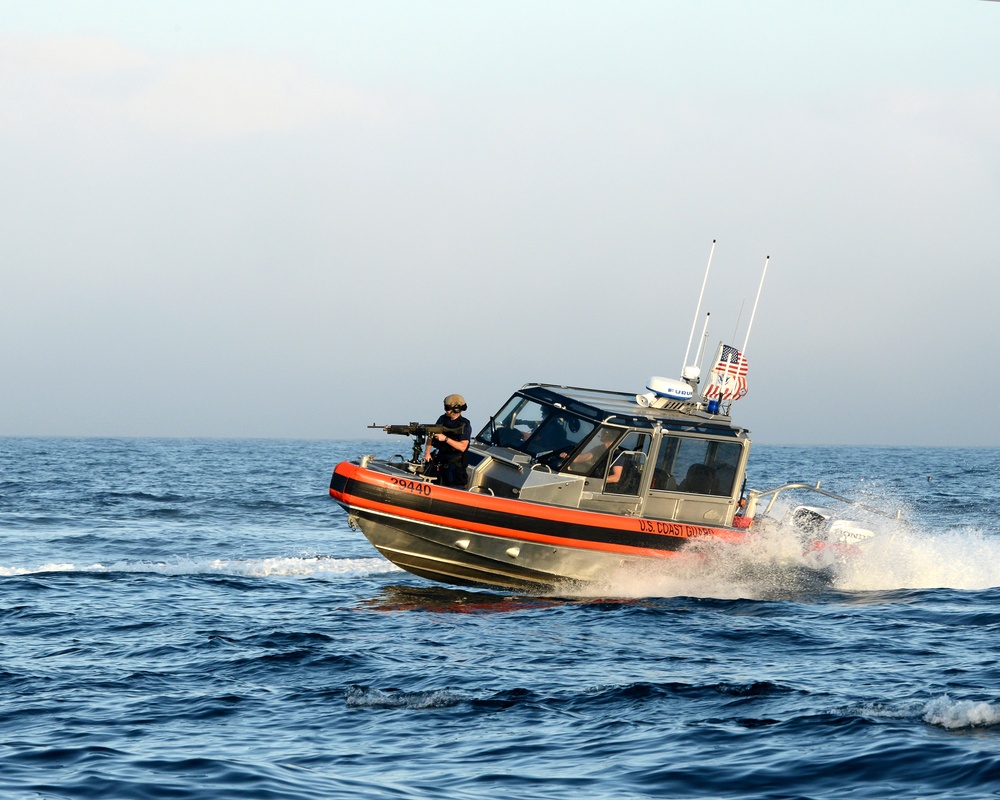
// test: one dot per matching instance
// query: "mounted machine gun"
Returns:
(419, 432)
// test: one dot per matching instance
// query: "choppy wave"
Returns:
(254, 645)
(943, 712)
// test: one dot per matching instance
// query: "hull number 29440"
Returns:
(417, 487)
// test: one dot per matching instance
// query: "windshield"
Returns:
(540, 430)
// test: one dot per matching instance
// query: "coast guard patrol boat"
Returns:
(571, 486)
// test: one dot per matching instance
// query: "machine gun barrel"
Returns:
(413, 429)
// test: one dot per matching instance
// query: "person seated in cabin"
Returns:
(554, 434)
(628, 464)
(449, 460)
(595, 453)
(700, 479)
(626, 472)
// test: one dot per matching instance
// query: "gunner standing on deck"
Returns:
(448, 462)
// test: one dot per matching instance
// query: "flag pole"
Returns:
(712, 373)
(753, 313)
(697, 311)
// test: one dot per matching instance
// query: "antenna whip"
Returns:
(697, 310)
(754, 312)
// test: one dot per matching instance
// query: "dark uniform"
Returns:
(448, 463)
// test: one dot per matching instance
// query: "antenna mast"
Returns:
(697, 310)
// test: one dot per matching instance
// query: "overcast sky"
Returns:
(295, 219)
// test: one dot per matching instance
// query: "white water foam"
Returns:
(914, 559)
(364, 697)
(292, 567)
(943, 712)
(952, 714)
(774, 563)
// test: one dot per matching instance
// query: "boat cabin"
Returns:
(602, 451)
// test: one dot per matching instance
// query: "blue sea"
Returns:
(195, 619)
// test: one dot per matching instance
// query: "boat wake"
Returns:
(278, 566)
(966, 558)
(775, 564)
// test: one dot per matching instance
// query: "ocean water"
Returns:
(195, 619)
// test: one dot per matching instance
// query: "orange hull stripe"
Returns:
(518, 508)
(512, 534)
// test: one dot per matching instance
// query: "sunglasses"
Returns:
(453, 408)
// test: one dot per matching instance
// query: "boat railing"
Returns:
(756, 496)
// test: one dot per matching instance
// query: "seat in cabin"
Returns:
(664, 481)
(700, 479)
(632, 463)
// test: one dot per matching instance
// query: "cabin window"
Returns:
(627, 463)
(592, 457)
(696, 466)
(545, 432)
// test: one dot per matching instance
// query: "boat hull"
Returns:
(473, 539)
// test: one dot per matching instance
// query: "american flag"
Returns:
(728, 379)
